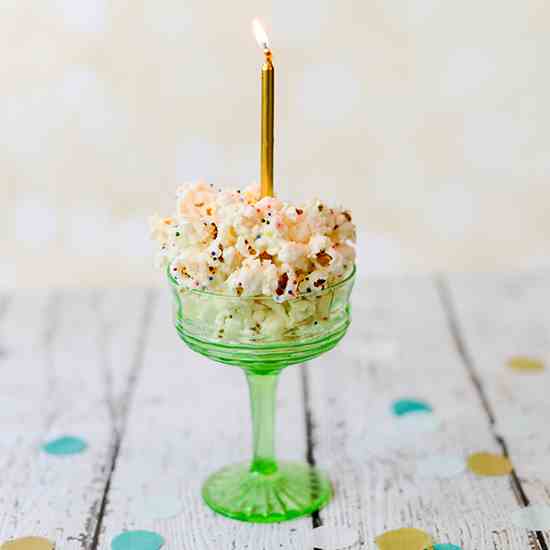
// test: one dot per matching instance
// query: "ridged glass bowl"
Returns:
(263, 336)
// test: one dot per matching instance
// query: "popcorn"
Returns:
(237, 243)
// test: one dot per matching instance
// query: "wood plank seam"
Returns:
(120, 420)
(97, 299)
(308, 418)
(316, 520)
(468, 362)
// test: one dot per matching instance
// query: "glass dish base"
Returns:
(292, 490)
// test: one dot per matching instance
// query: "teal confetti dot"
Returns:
(402, 407)
(446, 547)
(66, 445)
(137, 540)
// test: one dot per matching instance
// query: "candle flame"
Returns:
(260, 34)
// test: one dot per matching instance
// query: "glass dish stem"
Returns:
(263, 392)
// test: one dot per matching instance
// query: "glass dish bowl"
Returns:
(263, 336)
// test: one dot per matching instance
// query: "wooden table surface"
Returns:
(108, 366)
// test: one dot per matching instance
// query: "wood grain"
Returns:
(400, 346)
(502, 316)
(189, 417)
(58, 366)
(108, 366)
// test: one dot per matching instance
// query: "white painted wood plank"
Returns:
(501, 316)
(189, 417)
(400, 346)
(56, 379)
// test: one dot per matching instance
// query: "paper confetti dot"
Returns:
(66, 445)
(446, 547)
(162, 506)
(440, 466)
(488, 464)
(28, 543)
(402, 407)
(525, 364)
(406, 538)
(417, 422)
(137, 540)
(334, 538)
(534, 518)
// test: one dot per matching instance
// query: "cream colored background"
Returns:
(430, 118)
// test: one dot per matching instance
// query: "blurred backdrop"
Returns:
(430, 118)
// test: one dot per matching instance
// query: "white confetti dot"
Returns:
(533, 467)
(534, 518)
(518, 424)
(417, 422)
(440, 466)
(159, 506)
(334, 537)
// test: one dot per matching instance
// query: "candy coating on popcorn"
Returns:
(235, 242)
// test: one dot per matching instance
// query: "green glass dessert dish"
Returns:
(263, 336)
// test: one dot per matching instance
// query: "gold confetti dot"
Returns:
(488, 464)
(407, 538)
(28, 543)
(525, 364)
